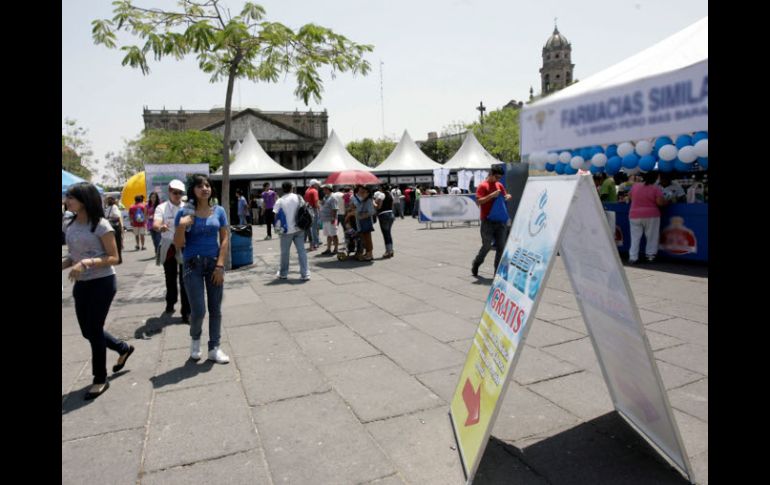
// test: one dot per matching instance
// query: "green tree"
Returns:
(370, 152)
(124, 164)
(191, 146)
(499, 134)
(232, 47)
(443, 148)
(76, 150)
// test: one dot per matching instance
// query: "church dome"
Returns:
(556, 41)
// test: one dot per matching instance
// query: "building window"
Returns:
(558, 76)
(557, 56)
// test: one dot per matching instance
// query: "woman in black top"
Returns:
(383, 201)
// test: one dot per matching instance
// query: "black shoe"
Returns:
(97, 390)
(185, 317)
(474, 269)
(122, 359)
(169, 310)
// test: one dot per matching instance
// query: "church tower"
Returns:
(557, 69)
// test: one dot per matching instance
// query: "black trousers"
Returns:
(492, 231)
(173, 272)
(269, 219)
(92, 304)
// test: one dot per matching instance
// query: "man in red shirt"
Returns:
(312, 199)
(486, 193)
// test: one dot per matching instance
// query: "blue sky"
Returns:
(440, 58)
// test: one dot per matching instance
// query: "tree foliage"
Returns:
(370, 152)
(76, 150)
(444, 147)
(499, 134)
(243, 46)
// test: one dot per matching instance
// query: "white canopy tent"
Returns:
(662, 90)
(406, 157)
(251, 161)
(333, 157)
(471, 156)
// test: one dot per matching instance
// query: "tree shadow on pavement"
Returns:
(155, 325)
(189, 370)
(603, 450)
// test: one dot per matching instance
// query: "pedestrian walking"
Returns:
(286, 225)
(171, 259)
(496, 231)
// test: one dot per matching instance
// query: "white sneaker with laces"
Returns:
(195, 350)
(218, 356)
(306, 277)
(278, 275)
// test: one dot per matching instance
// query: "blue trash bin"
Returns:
(242, 249)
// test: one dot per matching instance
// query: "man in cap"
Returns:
(312, 200)
(163, 222)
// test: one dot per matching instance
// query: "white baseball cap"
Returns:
(314, 182)
(177, 184)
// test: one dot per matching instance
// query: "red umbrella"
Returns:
(352, 177)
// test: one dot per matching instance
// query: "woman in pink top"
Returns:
(646, 200)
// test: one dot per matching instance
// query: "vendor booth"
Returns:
(648, 112)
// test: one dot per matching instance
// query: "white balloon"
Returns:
(565, 157)
(667, 152)
(599, 160)
(687, 154)
(552, 158)
(643, 147)
(625, 148)
(702, 148)
(576, 162)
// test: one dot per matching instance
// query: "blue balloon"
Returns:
(703, 162)
(647, 163)
(560, 168)
(586, 153)
(660, 141)
(549, 167)
(594, 169)
(665, 166)
(701, 135)
(568, 170)
(631, 160)
(683, 141)
(613, 165)
(611, 151)
(596, 149)
(680, 166)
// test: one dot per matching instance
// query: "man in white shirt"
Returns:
(340, 198)
(398, 202)
(455, 190)
(285, 224)
(163, 222)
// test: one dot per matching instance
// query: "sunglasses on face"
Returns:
(176, 192)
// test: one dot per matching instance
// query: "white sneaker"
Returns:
(306, 277)
(278, 275)
(195, 350)
(218, 356)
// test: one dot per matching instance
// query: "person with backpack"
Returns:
(292, 218)
(137, 213)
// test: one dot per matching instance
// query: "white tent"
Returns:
(251, 161)
(406, 157)
(471, 155)
(662, 90)
(333, 157)
(236, 147)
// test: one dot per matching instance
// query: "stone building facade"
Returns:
(292, 139)
(557, 69)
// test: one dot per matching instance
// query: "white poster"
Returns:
(448, 208)
(612, 318)
(157, 177)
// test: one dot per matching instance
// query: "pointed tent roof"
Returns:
(333, 157)
(471, 155)
(237, 146)
(252, 160)
(407, 156)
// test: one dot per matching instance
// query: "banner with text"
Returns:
(449, 208)
(509, 309)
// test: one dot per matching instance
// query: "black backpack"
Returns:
(303, 219)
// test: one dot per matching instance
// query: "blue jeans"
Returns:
(241, 219)
(298, 238)
(315, 227)
(155, 239)
(386, 222)
(198, 273)
(92, 304)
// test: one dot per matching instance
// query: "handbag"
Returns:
(499, 211)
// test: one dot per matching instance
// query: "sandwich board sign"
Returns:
(562, 213)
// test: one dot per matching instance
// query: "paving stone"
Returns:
(683, 330)
(263, 340)
(442, 382)
(583, 394)
(689, 356)
(306, 318)
(441, 325)
(692, 399)
(248, 467)
(274, 377)
(375, 388)
(177, 371)
(301, 439)
(275, 302)
(543, 334)
(333, 344)
(210, 421)
(524, 413)
(334, 302)
(659, 341)
(579, 353)
(534, 365)
(118, 454)
(416, 352)
(421, 445)
(553, 313)
(372, 321)
(245, 314)
(674, 376)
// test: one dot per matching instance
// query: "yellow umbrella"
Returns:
(134, 186)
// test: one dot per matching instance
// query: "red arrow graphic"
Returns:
(472, 402)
